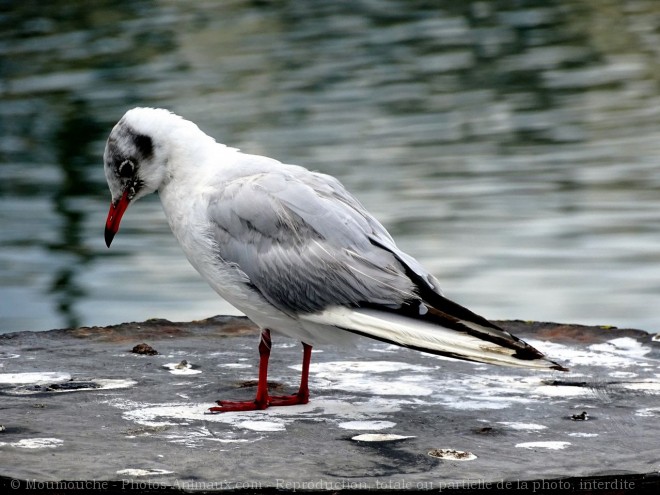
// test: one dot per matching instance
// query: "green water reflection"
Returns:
(512, 146)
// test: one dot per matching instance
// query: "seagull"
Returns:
(293, 250)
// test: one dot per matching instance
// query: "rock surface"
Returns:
(77, 404)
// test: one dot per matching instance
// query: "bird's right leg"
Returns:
(261, 401)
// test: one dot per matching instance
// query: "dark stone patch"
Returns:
(71, 385)
(583, 416)
(144, 349)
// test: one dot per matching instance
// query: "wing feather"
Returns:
(295, 232)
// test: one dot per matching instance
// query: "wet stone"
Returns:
(379, 416)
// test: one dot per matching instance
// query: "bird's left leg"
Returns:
(302, 397)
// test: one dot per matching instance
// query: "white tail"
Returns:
(425, 336)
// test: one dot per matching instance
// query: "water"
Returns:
(513, 147)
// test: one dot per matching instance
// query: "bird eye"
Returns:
(125, 169)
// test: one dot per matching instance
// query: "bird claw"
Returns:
(253, 405)
(288, 400)
(230, 406)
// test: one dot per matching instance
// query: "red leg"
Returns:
(302, 397)
(263, 400)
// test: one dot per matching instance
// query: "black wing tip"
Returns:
(529, 353)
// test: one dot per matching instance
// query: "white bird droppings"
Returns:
(144, 472)
(514, 425)
(544, 445)
(38, 443)
(34, 377)
(110, 383)
(648, 386)
(380, 437)
(366, 425)
(648, 412)
(261, 425)
(381, 377)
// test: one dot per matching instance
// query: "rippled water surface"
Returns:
(512, 146)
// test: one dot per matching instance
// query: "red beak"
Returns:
(114, 218)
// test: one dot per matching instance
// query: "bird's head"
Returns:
(134, 161)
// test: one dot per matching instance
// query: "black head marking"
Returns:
(144, 145)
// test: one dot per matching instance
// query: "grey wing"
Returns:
(306, 244)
